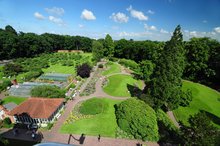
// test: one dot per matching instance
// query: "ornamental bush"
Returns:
(138, 119)
(47, 91)
(84, 70)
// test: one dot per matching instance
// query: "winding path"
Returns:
(54, 136)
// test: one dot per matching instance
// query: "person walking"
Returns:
(99, 137)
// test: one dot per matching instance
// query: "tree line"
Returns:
(19, 44)
(202, 55)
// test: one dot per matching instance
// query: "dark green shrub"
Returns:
(12, 69)
(138, 119)
(93, 106)
(169, 133)
(32, 74)
(47, 91)
(49, 126)
(4, 85)
(84, 70)
(7, 121)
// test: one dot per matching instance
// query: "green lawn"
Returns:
(16, 100)
(1, 73)
(103, 124)
(204, 98)
(58, 68)
(112, 68)
(117, 85)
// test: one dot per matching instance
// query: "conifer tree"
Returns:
(165, 86)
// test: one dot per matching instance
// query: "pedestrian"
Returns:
(99, 137)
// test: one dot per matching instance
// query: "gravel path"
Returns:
(54, 136)
(172, 117)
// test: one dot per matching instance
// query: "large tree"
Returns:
(201, 131)
(97, 50)
(165, 87)
(109, 46)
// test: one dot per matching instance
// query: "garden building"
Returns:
(37, 110)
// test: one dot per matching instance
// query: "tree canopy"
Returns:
(138, 119)
(165, 86)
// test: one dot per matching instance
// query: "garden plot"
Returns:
(24, 89)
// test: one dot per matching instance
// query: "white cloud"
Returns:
(217, 29)
(81, 26)
(55, 10)
(212, 33)
(39, 16)
(150, 27)
(150, 12)
(133, 34)
(119, 17)
(204, 21)
(58, 21)
(137, 14)
(193, 33)
(87, 15)
(163, 31)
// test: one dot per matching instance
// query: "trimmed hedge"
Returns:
(138, 119)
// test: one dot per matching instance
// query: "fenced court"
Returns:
(24, 90)
(55, 77)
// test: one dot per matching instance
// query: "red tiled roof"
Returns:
(38, 107)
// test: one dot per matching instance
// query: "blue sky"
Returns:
(136, 19)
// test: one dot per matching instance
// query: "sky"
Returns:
(129, 19)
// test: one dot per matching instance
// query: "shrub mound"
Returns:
(138, 119)
(93, 106)
(47, 91)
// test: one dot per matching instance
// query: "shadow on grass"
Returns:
(134, 90)
(212, 117)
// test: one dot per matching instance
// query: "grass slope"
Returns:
(117, 85)
(112, 68)
(58, 68)
(93, 106)
(204, 98)
(16, 100)
(104, 123)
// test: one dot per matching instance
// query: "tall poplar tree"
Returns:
(109, 46)
(165, 86)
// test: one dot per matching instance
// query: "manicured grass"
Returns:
(117, 85)
(58, 68)
(16, 100)
(103, 124)
(112, 68)
(93, 106)
(204, 98)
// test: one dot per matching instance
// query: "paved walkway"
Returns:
(172, 117)
(54, 136)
